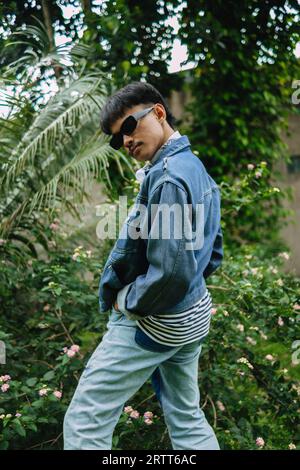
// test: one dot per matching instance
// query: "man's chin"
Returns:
(140, 157)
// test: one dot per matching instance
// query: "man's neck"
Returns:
(171, 133)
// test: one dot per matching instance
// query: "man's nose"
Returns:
(127, 141)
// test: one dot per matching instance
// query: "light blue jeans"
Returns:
(116, 371)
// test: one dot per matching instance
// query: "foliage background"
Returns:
(52, 150)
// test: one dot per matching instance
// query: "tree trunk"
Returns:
(86, 6)
(50, 32)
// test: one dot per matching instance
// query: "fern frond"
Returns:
(50, 125)
(72, 177)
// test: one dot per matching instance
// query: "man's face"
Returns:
(148, 135)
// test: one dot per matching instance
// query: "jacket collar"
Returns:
(171, 147)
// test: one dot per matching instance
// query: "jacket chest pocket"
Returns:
(130, 237)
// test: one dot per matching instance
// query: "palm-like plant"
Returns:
(50, 152)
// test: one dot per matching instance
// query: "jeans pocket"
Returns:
(115, 315)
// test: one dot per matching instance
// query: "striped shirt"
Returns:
(180, 328)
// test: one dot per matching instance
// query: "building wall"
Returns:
(291, 232)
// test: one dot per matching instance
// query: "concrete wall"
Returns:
(291, 231)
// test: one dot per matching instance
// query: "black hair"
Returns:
(133, 94)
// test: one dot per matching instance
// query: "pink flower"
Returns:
(70, 353)
(2, 242)
(134, 414)
(128, 409)
(250, 166)
(296, 307)
(5, 378)
(46, 308)
(148, 421)
(213, 311)
(280, 321)
(54, 226)
(43, 392)
(260, 442)
(148, 415)
(258, 174)
(18, 415)
(57, 394)
(4, 387)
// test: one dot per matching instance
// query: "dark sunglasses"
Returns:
(127, 128)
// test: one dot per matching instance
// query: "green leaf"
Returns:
(3, 444)
(49, 375)
(17, 425)
(31, 382)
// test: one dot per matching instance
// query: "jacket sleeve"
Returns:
(171, 265)
(216, 256)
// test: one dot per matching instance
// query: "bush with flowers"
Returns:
(249, 374)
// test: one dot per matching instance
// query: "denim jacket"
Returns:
(150, 275)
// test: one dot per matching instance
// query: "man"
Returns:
(153, 285)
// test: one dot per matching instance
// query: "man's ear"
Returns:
(160, 111)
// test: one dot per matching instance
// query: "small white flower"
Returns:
(244, 360)
(269, 357)
(220, 405)
(284, 255)
(263, 335)
(251, 340)
(280, 321)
